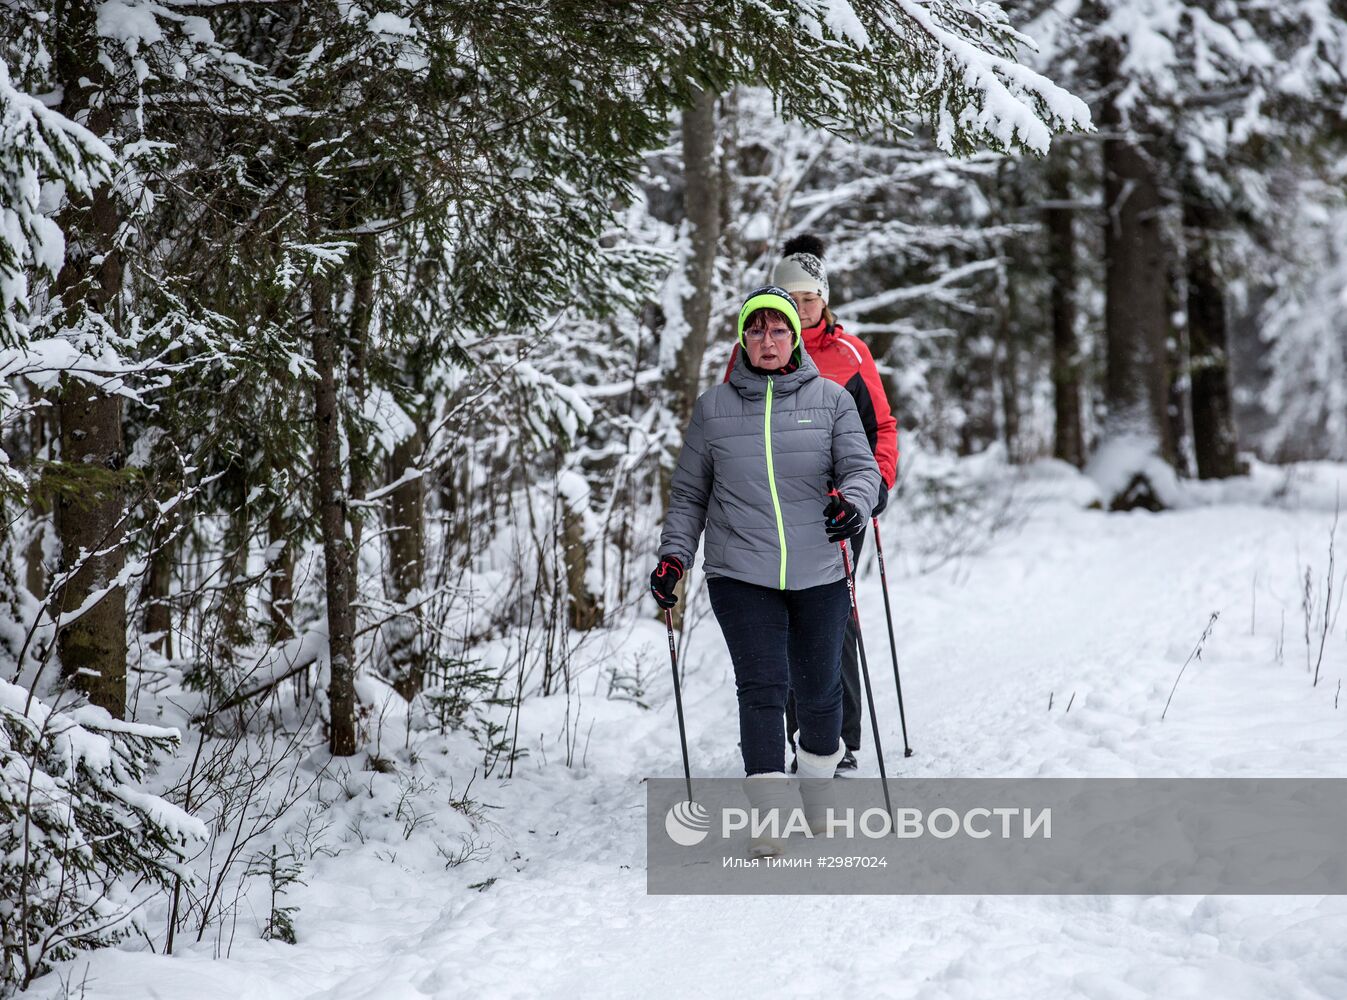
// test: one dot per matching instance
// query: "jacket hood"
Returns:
(752, 385)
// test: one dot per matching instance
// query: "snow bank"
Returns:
(1119, 460)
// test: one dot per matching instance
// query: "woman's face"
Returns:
(768, 341)
(809, 306)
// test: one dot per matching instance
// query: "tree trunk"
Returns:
(1176, 362)
(701, 209)
(332, 507)
(92, 647)
(972, 382)
(88, 525)
(406, 567)
(586, 610)
(1136, 321)
(701, 205)
(157, 589)
(35, 575)
(281, 589)
(41, 431)
(11, 640)
(362, 312)
(1215, 444)
(1007, 325)
(1009, 374)
(231, 607)
(1068, 441)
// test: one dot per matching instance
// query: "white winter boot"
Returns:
(767, 792)
(816, 784)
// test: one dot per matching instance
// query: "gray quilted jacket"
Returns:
(756, 460)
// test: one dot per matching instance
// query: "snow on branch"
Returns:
(43, 362)
(39, 149)
(76, 830)
(932, 289)
(994, 99)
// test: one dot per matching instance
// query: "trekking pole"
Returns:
(865, 674)
(678, 700)
(893, 645)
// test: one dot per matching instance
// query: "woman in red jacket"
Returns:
(846, 360)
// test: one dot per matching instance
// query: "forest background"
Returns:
(340, 343)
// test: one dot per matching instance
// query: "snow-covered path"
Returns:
(1098, 611)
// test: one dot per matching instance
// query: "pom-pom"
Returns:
(806, 243)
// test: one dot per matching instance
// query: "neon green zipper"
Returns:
(771, 482)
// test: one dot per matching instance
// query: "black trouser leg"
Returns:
(851, 694)
(851, 676)
(780, 640)
(851, 690)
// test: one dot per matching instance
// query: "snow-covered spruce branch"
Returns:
(74, 828)
(37, 145)
(966, 50)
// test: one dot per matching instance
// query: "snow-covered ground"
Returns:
(1071, 607)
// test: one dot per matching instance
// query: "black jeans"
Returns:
(783, 640)
(851, 672)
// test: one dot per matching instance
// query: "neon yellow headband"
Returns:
(770, 297)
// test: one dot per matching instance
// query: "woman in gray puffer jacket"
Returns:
(757, 469)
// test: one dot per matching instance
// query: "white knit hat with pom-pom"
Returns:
(801, 269)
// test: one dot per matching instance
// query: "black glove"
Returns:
(841, 519)
(882, 502)
(662, 581)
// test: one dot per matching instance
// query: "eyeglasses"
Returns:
(757, 333)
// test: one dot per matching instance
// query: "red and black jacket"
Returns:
(846, 360)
